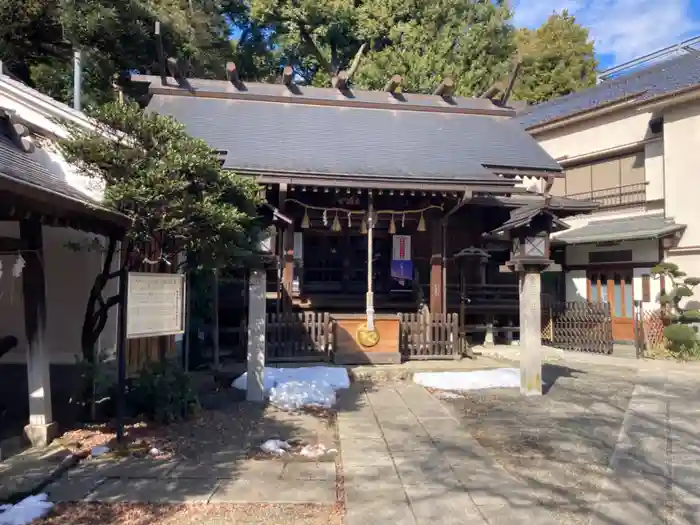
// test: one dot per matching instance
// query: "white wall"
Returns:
(642, 251)
(576, 285)
(69, 277)
(681, 164)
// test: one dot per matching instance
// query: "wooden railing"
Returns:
(303, 336)
(429, 336)
(617, 197)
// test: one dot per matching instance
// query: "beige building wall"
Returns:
(69, 278)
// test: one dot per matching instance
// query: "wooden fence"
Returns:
(304, 336)
(429, 336)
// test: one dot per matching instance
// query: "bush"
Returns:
(682, 341)
(163, 393)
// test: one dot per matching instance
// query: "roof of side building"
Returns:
(659, 79)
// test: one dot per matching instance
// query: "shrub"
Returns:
(682, 341)
(163, 393)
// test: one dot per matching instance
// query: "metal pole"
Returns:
(77, 79)
(188, 321)
(121, 351)
(215, 321)
(370, 255)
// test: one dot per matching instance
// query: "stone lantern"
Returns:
(529, 229)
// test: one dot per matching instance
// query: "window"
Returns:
(646, 288)
(611, 182)
(611, 256)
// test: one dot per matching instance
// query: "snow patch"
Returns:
(474, 380)
(293, 388)
(316, 451)
(26, 511)
(275, 446)
(99, 450)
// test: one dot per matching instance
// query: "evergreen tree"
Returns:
(558, 58)
(37, 39)
(424, 41)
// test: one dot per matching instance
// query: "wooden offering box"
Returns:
(349, 351)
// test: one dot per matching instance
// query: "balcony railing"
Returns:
(617, 197)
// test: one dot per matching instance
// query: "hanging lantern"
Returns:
(392, 226)
(421, 223)
(336, 224)
(305, 222)
(363, 226)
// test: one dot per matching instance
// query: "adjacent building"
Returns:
(631, 144)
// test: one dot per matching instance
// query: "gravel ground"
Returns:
(201, 514)
(561, 443)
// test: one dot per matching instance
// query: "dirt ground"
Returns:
(195, 514)
(560, 443)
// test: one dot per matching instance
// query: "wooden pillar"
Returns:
(436, 280)
(530, 332)
(41, 428)
(287, 255)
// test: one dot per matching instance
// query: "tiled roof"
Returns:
(622, 229)
(664, 77)
(21, 166)
(347, 142)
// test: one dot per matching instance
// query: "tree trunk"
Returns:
(95, 320)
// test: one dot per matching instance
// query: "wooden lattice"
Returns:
(582, 326)
(653, 329)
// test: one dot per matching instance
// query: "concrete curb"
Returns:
(64, 466)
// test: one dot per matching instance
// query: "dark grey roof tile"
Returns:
(22, 167)
(664, 77)
(622, 229)
(349, 141)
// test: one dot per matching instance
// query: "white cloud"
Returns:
(624, 29)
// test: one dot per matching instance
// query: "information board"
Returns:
(155, 304)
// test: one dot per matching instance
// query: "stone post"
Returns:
(256, 336)
(41, 428)
(530, 332)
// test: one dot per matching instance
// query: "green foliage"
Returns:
(170, 185)
(558, 58)
(37, 38)
(163, 393)
(472, 41)
(682, 339)
(683, 343)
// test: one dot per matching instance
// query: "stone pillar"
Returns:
(41, 428)
(256, 335)
(489, 339)
(530, 332)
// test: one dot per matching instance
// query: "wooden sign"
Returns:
(155, 304)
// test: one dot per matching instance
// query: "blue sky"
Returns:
(621, 29)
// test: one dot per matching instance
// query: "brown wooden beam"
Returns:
(436, 260)
(287, 255)
(445, 88)
(288, 76)
(393, 83)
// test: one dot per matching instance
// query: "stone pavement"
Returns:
(605, 447)
(406, 460)
(220, 478)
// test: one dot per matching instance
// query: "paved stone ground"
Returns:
(606, 445)
(214, 464)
